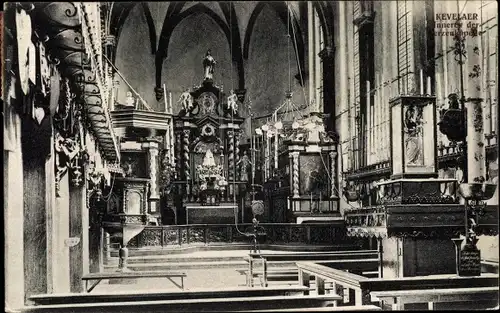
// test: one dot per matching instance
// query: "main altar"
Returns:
(210, 175)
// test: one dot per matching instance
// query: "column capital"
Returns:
(327, 53)
(241, 94)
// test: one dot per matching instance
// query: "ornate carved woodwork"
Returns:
(412, 119)
(68, 32)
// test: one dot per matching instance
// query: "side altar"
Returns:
(210, 172)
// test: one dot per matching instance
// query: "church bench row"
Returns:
(235, 304)
(98, 277)
(362, 286)
(126, 296)
(342, 259)
(477, 295)
(327, 309)
(367, 268)
(489, 266)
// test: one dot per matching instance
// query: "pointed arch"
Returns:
(281, 9)
(171, 24)
(231, 19)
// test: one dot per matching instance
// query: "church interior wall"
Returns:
(265, 71)
(135, 60)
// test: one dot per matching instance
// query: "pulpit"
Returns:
(208, 186)
(126, 214)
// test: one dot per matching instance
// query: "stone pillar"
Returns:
(476, 147)
(310, 49)
(241, 94)
(13, 225)
(327, 56)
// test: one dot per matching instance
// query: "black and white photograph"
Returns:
(250, 156)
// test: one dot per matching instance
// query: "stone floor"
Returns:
(196, 278)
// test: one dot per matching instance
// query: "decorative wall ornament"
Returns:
(66, 150)
(166, 173)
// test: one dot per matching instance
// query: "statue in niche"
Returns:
(232, 103)
(186, 100)
(208, 65)
(413, 129)
(244, 164)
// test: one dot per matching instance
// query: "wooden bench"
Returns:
(369, 258)
(98, 277)
(126, 296)
(192, 305)
(398, 298)
(326, 309)
(362, 286)
(489, 266)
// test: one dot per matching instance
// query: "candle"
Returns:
(170, 102)
(429, 89)
(421, 82)
(165, 98)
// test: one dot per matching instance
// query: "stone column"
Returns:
(241, 94)
(14, 222)
(476, 147)
(328, 60)
(295, 174)
(310, 49)
(333, 163)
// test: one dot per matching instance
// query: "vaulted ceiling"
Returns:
(236, 19)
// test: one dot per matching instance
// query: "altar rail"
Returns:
(213, 234)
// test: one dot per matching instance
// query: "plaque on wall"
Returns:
(470, 261)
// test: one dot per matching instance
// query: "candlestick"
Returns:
(421, 82)
(429, 89)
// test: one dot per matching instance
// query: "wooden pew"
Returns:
(342, 259)
(98, 277)
(326, 309)
(192, 305)
(398, 298)
(489, 266)
(362, 286)
(126, 296)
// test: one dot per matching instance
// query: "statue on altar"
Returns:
(232, 103)
(244, 164)
(186, 100)
(130, 100)
(414, 135)
(208, 65)
(211, 180)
